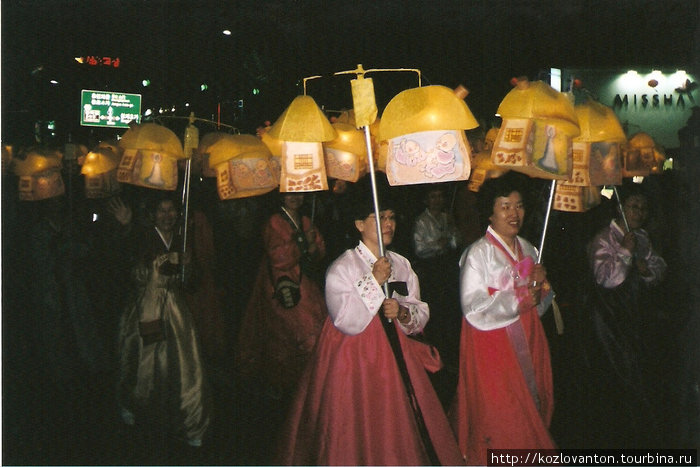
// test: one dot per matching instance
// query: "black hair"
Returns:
(629, 189)
(363, 205)
(502, 186)
(154, 200)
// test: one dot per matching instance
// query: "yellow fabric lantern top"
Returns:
(227, 146)
(598, 122)
(302, 121)
(349, 139)
(37, 161)
(425, 108)
(99, 161)
(152, 137)
(541, 101)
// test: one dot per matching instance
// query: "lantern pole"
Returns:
(191, 141)
(546, 220)
(619, 205)
(365, 108)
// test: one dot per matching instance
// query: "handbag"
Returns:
(287, 292)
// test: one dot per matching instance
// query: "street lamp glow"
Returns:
(226, 32)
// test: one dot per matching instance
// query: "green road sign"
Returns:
(109, 109)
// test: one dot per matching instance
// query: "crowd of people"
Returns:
(428, 345)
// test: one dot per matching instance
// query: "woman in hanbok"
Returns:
(286, 309)
(161, 378)
(504, 397)
(353, 405)
(623, 313)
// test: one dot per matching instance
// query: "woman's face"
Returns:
(165, 217)
(368, 227)
(508, 215)
(293, 201)
(636, 211)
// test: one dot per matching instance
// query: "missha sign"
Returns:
(657, 102)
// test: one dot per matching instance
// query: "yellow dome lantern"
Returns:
(200, 157)
(100, 171)
(39, 175)
(346, 155)
(244, 166)
(483, 169)
(641, 156)
(424, 128)
(596, 151)
(537, 130)
(302, 128)
(150, 157)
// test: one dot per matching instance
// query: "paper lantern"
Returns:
(596, 151)
(242, 164)
(100, 171)
(7, 155)
(200, 157)
(380, 148)
(482, 170)
(150, 157)
(641, 157)
(346, 155)
(39, 175)
(424, 128)
(572, 198)
(302, 128)
(537, 130)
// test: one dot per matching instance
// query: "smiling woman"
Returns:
(504, 392)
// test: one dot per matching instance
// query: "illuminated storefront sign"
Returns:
(652, 101)
(97, 60)
(109, 109)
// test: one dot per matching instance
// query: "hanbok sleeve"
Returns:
(417, 308)
(610, 261)
(425, 242)
(353, 296)
(655, 263)
(487, 300)
(280, 247)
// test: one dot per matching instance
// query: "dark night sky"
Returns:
(178, 45)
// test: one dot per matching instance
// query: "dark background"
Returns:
(275, 43)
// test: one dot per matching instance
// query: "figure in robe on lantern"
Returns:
(286, 309)
(156, 176)
(504, 394)
(549, 160)
(352, 406)
(443, 161)
(161, 376)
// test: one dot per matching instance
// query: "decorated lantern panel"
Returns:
(482, 170)
(100, 172)
(303, 167)
(148, 168)
(538, 148)
(41, 185)
(346, 155)
(39, 175)
(245, 175)
(573, 198)
(596, 164)
(640, 157)
(434, 156)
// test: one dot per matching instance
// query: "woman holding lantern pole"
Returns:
(353, 405)
(286, 309)
(504, 397)
(621, 351)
